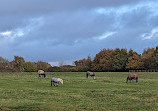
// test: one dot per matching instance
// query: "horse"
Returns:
(41, 73)
(132, 76)
(90, 74)
(56, 80)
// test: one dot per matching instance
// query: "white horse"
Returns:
(56, 80)
(90, 74)
(41, 73)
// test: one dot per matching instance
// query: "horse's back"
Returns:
(90, 73)
(54, 79)
(132, 76)
(40, 71)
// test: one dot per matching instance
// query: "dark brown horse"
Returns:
(132, 76)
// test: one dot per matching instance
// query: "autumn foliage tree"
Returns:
(154, 60)
(43, 65)
(119, 59)
(18, 63)
(148, 58)
(134, 60)
(106, 60)
(83, 64)
(103, 60)
(30, 67)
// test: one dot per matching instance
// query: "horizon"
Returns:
(62, 63)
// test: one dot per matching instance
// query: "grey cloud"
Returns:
(30, 7)
(58, 31)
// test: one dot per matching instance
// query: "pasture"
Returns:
(26, 91)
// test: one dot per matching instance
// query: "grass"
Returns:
(25, 91)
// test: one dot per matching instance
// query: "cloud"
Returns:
(104, 36)
(69, 30)
(6, 33)
(152, 34)
(23, 30)
(11, 34)
(29, 7)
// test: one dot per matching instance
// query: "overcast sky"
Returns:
(69, 30)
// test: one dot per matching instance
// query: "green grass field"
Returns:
(25, 91)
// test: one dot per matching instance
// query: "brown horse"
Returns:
(132, 76)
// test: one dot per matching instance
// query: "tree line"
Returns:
(106, 60)
(120, 60)
(19, 65)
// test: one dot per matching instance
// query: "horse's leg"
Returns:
(137, 79)
(127, 80)
(57, 84)
(51, 83)
(87, 75)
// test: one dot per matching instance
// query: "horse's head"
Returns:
(60, 80)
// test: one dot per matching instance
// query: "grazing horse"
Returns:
(41, 73)
(56, 80)
(90, 74)
(132, 76)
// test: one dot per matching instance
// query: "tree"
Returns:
(30, 67)
(134, 61)
(18, 63)
(148, 58)
(89, 63)
(2, 60)
(96, 63)
(119, 59)
(154, 59)
(3, 63)
(84, 64)
(103, 60)
(43, 65)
